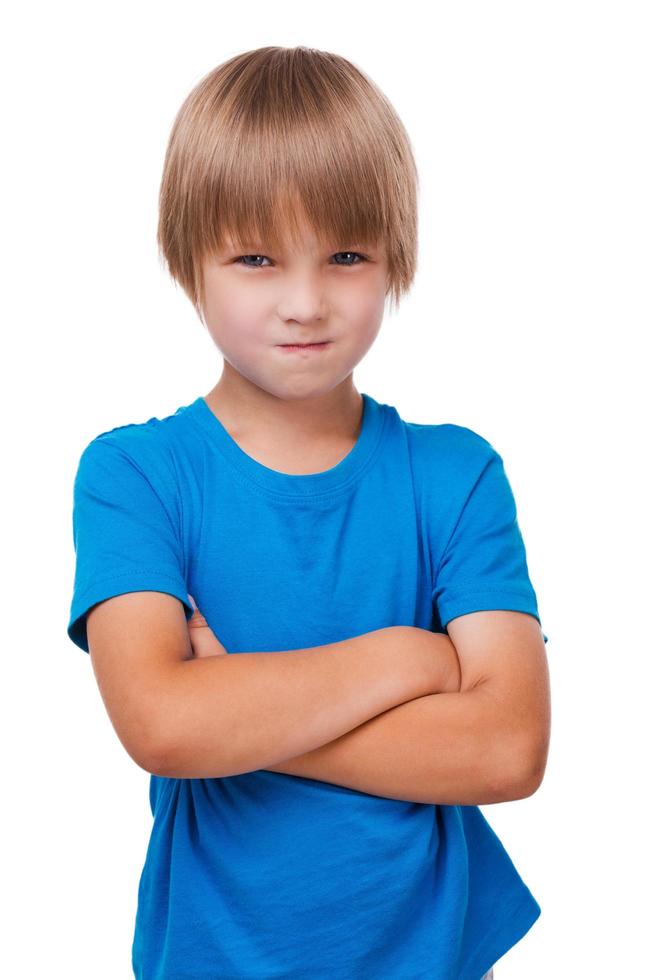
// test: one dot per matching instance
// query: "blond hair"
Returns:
(274, 128)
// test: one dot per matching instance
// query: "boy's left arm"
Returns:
(487, 743)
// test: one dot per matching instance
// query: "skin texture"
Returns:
(296, 413)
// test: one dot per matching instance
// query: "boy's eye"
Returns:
(356, 255)
(242, 259)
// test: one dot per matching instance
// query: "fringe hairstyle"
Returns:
(275, 128)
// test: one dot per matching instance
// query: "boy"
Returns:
(315, 797)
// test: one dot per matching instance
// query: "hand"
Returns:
(204, 641)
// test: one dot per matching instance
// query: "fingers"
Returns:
(197, 619)
(204, 642)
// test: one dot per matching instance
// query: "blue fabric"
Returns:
(266, 874)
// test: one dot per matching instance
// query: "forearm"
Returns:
(226, 715)
(441, 748)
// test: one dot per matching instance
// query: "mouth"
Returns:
(305, 347)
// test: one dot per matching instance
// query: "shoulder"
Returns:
(145, 447)
(448, 436)
(454, 451)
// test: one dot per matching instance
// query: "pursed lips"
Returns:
(312, 343)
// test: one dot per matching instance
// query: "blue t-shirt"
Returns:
(264, 874)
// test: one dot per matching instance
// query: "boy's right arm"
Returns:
(219, 716)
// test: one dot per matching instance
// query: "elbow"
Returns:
(529, 783)
(183, 760)
(159, 747)
(528, 769)
(158, 762)
(150, 755)
(165, 758)
(143, 748)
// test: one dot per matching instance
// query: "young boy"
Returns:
(315, 797)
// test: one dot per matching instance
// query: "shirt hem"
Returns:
(499, 941)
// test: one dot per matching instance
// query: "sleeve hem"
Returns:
(485, 600)
(135, 581)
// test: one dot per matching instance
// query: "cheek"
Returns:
(235, 324)
(367, 335)
(366, 316)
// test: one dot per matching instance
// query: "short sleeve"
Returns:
(124, 535)
(484, 563)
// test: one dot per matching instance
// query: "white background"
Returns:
(528, 322)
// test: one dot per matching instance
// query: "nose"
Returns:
(302, 300)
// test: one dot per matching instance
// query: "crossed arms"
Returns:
(400, 712)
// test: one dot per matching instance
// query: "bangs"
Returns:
(269, 214)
